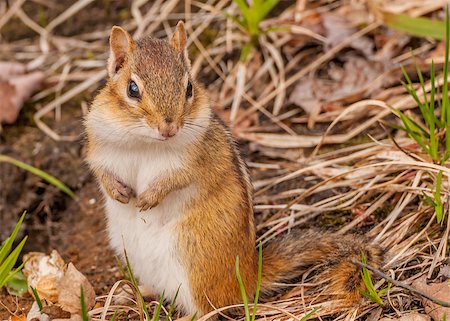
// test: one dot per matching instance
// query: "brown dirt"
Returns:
(74, 227)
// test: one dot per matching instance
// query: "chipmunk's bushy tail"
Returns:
(286, 259)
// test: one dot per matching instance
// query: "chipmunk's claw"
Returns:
(147, 200)
(120, 192)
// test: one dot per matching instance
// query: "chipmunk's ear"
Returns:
(179, 40)
(121, 44)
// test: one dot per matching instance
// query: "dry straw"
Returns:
(374, 184)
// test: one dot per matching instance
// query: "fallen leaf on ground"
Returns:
(413, 316)
(73, 317)
(445, 271)
(59, 284)
(9, 69)
(440, 291)
(15, 88)
(35, 315)
(44, 272)
(346, 83)
(338, 28)
(55, 312)
(69, 291)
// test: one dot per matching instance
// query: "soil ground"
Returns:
(74, 227)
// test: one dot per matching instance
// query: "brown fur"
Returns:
(218, 224)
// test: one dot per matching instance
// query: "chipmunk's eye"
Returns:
(189, 90)
(133, 90)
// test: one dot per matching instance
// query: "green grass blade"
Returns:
(172, 306)
(37, 298)
(136, 286)
(13, 273)
(266, 7)
(411, 125)
(235, 19)
(433, 92)
(114, 316)
(258, 284)
(422, 83)
(434, 140)
(428, 200)
(36, 171)
(413, 93)
(416, 26)
(309, 315)
(243, 293)
(445, 157)
(84, 314)
(413, 131)
(367, 279)
(158, 308)
(243, 7)
(6, 247)
(10, 261)
(439, 208)
(17, 284)
(445, 100)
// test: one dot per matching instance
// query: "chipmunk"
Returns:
(178, 194)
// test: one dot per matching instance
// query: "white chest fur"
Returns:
(149, 237)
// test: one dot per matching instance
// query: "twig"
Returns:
(402, 285)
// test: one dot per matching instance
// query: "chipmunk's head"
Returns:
(151, 91)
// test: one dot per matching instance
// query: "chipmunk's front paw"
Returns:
(119, 191)
(148, 199)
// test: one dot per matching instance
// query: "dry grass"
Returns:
(337, 161)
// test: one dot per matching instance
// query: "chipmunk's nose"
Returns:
(168, 129)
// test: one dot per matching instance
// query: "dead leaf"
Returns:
(35, 315)
(8, 69)
(445, 271)
(344, 84)
(43, 273)
(338, 28)
(413, 316)
(55, 312)
(15, 88)
(73, 317)
(8, 110)
(69, 291)
(440, 291)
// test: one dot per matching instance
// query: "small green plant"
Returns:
(436, 201)
(416, 26)
(434, 135)
(252, 16)
(84, 314)
(9, 256)
(17, 285)
(114, 316)
(37, 298)
(136, 286)
(36, 171)
(157, 313)
(252, 317)
(371, 292)
(158, 308)
(249, 317)
(172, 306)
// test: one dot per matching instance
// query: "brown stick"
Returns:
(402, 285)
